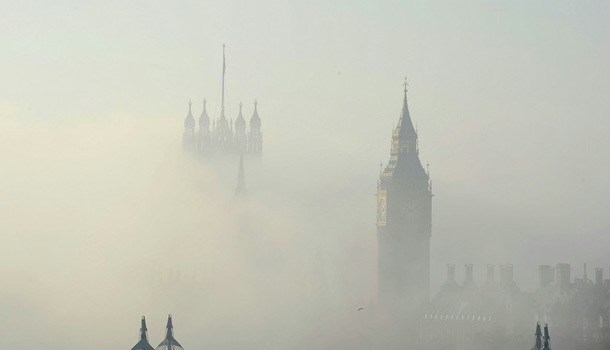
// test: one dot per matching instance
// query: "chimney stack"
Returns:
(546, 275)
(599, 277)
(469, 277)
(506, 275)
(564, 277)
(491, 271)
(450, 273)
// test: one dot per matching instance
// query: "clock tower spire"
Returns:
(404, 223)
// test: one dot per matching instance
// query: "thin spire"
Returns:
(169, 343)
(169, 327)
(538, 344)
(240, 190)
(224, 68)
(143, 342)
(404, 128)
(143, 329)
(547, 338)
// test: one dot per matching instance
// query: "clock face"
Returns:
(381, 210)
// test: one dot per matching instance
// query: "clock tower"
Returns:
(404, 223)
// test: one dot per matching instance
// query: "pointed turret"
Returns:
(189, 143)
(240, 122)
(143, 342)
(404, 154)
(404, 128)
(240, 190)
(204, 141)
(538, 343)
(189, 121)
(241, 139)
(547, 338)
(204, 118)
(255, 137)
(255, 120)
(169, 343)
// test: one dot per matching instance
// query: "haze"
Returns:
(100, 211)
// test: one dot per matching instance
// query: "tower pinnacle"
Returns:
(240, 190)
(143, 343)
(169, 343)
(224, 68)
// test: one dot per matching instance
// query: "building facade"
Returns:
(404, 223)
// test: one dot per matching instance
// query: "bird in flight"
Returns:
(361, 309)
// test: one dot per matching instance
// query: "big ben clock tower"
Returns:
(404, 223)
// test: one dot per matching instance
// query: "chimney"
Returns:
(584, 275)
(546, 275)
(564, 276)
(450, 283)
(599, 277)
(506, 275)
(491, 271)
(468, 278)
(450, 273)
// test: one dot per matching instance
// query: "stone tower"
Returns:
(404, 223)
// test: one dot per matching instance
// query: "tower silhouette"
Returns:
(404, 223)
(143, 342)
(240, 190)
(169, 343)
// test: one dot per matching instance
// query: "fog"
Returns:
(104, 219)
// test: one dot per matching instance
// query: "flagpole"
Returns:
(222, 111)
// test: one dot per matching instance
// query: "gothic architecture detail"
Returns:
(169, 343)
(404, 223)
(222, 135)
(143, 343)
(240, 190)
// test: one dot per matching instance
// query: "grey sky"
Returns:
(510, 100)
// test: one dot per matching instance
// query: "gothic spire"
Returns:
(169, 343)
(224, 68)
(204, 119)
(189, 122)
(255, 120)
(538, 343)
(240, 190)
(169, 327)
(143, 343)
(240, 122)
(547, 338)
(404, 128)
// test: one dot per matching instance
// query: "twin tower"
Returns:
(169, 343)
(222, 135)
